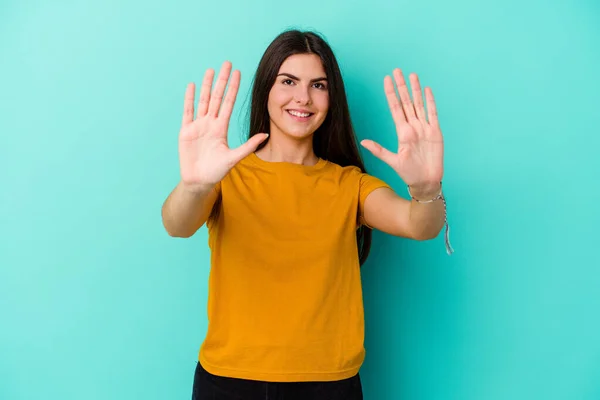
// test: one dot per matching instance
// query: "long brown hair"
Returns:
(334, 140)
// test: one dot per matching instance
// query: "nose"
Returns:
(302, 95)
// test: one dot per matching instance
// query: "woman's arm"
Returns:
(418, 162)
(386, 211)
(204, 154)
(185, 211)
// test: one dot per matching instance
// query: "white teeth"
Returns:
(298, 114)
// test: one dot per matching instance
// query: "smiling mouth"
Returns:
(299, 114)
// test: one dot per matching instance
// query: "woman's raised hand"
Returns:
(204, 154)
(420, 156)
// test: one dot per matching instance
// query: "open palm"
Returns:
(419, 160)
(204, 154)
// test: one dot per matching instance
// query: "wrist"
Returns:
(425, 191)
(196, 189)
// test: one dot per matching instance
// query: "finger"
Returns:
(407, 104)
(188, 104)
(232, 91)
(417, 97)
(217, 95)
(394, 104)
(379, 151)
(205, 92)
(431, 107)
(249, 147)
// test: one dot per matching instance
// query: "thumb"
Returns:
(250, 146)
(378, 151)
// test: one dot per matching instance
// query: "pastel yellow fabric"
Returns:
(285, 297)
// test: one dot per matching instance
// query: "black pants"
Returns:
(211, 387)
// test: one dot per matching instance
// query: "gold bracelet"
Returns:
(438, 197)
(449, 248)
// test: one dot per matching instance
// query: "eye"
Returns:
(287, 81)
(320, 86)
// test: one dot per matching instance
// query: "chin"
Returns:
(294, 131)
(300, 132)
(299, 135)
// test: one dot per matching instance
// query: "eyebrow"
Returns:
(296, 78)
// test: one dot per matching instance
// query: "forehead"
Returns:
(303, 66)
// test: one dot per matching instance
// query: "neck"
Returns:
(283, 148)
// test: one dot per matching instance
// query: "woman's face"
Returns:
(299, 99)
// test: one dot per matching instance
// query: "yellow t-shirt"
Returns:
(285, 297)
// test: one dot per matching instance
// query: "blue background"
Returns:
(98, 302)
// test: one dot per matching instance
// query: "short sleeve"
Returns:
(367, 184)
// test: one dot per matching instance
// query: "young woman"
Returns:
(289, 215)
